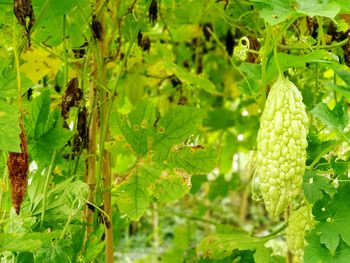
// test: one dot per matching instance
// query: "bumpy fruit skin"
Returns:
(281, 147)
(299, 221)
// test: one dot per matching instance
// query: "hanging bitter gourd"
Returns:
(281, 147)
(299, 221)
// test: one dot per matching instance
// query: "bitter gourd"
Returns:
(281, 146)
(299, 221)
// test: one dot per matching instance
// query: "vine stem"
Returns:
(47, 180)
(18, 74)
(103, 175)
(276, 60)
(1, 191)
(92, 148)
(264, 66)
(338, 44)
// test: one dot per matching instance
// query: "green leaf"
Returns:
(315, 145)
(177, 125)
(62, 201)
(171, 187)
(219, 119)
(192, 160)
(315, 186)
(343, 74)
(133, 194)
(25, 257)
(50, 25)
(137, 126)
(287, 61)
(277, 11)
(313, 8)
(333, 215)
(94, 246)
(185, 76)
(44, 129)
(249, 87)
(340, 167)
(220, 187)
(24, 242)
(9, 128)
(344, 5)
(197, 182)
(336, 119)
(220, 246)
(8, 84)
(316, 252)
(56, 251)
(342, 90)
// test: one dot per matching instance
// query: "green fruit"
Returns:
(299, 221)
(281, 147)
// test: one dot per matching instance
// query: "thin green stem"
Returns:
(3, 179)
(276, 61)
(16, 53)
(65, 228)
(320, 36)
(47, 180)
(338, 44)
(276, 232)
(65, 50)
(264, 65)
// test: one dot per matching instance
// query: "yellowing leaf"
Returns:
(39, 63)
(329, 74)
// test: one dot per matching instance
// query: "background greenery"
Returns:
(170, 100)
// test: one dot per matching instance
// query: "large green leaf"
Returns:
(326, 8)
(50, 25)
(336, 119)
(171, 187)
(174, 128)
(198, 81)
(65, 199)
(137, 127)
(316, 146)
(24, 242)
(315, 186)
(333, 215)
(133, 194)
(55, 251)
(316, 252)
(287, 61)
(277, 11)
(44, 129)
(193, 160)
(8, 84)
(220, 246)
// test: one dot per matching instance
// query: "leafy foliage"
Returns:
(44, 129)
(332, 213)
(221, 246)
(316, 187)
(9, 117)
(156, 160)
